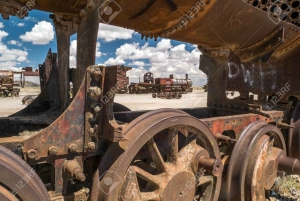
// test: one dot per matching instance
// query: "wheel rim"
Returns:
(18, 181)
(155, 173)
(253, 164)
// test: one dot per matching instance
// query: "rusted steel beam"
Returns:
(223, 122)
(86, 39)
(64, 29)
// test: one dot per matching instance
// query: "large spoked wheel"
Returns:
(169, 156)
(253, 166)
(18, 181)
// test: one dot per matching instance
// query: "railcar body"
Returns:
(7, 84)
(161, 85)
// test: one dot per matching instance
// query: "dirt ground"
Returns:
(10, 105)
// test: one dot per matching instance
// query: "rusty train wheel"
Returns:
(169, 156)
(253, 165)
(18, 181)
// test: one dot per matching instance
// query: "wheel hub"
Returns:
(181, 187)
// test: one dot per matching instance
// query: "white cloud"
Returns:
(10, 58)
(137, 63)
(110, 33)
(116, 61)
(164, 59)
(42, 33)
(72, 62)
(98, 53)
(135, 74)
(14, 42)
(21, 24)
(3, 34)
(73, 48)
(8, 65)
(73, 52)
(163, 45)
(1, 25)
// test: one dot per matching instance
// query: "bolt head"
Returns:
(91, 130)
(97, 108)
(32, 154)
(73, 148)
(53, 150)
(91, 146)
(80, 177)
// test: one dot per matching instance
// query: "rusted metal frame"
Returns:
(64, 29)
(62, 177)
(48, 98)
(67, 129)
(279, 77)
(45, 70)
(93, 114)
(237, 122)
(216, 70)
(111, 129)
(86, 39)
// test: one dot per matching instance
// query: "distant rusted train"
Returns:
(7, 84)
(161, 85)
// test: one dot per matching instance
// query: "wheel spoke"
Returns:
(146, 176)
(173, 143)
(131, 190)
(156, 155)
(204, 180)
(147, 196)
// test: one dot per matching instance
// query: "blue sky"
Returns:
(26, 42)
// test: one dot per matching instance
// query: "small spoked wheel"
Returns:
(255, 163)
(169, 155)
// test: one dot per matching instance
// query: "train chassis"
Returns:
(93, 151)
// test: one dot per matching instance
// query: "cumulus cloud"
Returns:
(3, 34)
(164, 59)
(115, 61)
(110, 33)
(1, 25)
(137, 63)
(136, 74)
(10, 58)
(42, 33)
(14, 42)
(98, 53)
(73, 52)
